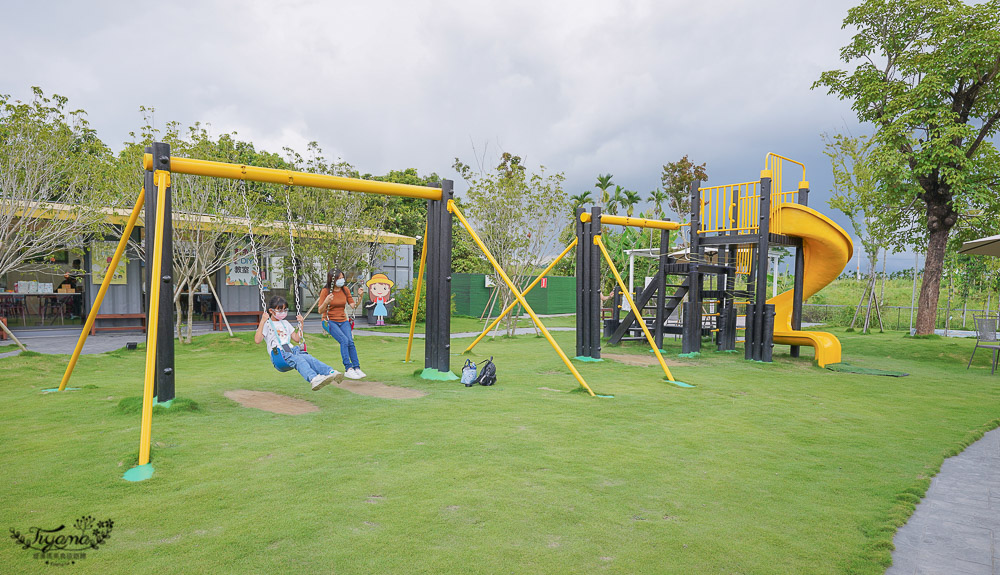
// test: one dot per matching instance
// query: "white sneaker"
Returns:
(336, 376)
(320, 381)
(353, 374)
(360, 373)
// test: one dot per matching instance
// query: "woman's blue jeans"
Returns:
(341, 331)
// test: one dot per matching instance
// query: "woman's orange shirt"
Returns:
(341, 297)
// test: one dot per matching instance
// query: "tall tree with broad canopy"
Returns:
(926, 76)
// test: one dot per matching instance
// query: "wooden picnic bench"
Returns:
(217, 319)
(140, 316)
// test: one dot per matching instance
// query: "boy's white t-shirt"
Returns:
(284, 335)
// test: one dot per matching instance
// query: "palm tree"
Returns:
(629, 201)
(603, 183)
(658, 196)
(580, 199)
(617, 200)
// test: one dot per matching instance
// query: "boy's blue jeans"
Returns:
(341, 331)
(307, 365)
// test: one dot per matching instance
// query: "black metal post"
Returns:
(582, 285)
(661, 287)
(164, 384)
(760, 291)
(437, 345)
(691, 337)
(595, 284)
(800, 263)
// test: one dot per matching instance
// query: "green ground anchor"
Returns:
(139, 473)
(654, 351)
(678, 383)
(51, 389)
(165, 404)
(692, 355)
(437, 375)
(587, 359)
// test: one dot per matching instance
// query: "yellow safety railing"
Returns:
(735, 207)
(729, 208)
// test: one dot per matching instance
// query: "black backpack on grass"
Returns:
(488, 375)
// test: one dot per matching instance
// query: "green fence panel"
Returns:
(472, 296)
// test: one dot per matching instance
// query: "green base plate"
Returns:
(587, 359)
(654, 351)
(678, 383)
(436, 375)
(51, 389)
(691, 355)
(162, 403)
(139, 473)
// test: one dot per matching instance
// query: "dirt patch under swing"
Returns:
(378, 389)
(272, 402)
(640, 360)
(285, 405)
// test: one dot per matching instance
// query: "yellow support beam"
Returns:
(293, 178)
(92, 316)
(416, 296)
(639, 320)
(633, 222)
(453, 208)
(155, 280)
(529, 288)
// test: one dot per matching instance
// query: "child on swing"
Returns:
(280, 335)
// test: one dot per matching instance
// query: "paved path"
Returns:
(955, 528)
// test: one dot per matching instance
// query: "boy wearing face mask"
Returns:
(280, 335)
(333, 299)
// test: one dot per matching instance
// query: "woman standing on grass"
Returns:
(333, 299)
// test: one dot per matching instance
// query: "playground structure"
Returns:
(155, 197)
(741, 222)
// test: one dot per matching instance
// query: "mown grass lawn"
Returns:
(762, 468)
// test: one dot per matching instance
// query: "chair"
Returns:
(53, 305)
(986, 337)
(14, 306)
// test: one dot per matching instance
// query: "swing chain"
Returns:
(291, 245)
(253, 244)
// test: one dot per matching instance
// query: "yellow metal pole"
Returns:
(416, 295)
(453, 208)
(92, 316)
(530, 287)
(633, 222)
(293, 178)
(155, 281)
(631, 303)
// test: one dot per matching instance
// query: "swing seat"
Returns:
(279, 362)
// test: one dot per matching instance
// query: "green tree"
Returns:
(659, 197)
(630, 200)
(603, 183)
(48, 155)
(518, 215)
(927, 78)
(676, 178)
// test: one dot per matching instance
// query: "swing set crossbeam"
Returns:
(195, 167)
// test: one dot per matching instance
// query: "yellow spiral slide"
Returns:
(827, 249)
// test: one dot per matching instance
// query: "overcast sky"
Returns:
(583, 87)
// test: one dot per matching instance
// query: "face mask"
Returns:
(280, 315)
(340, 282)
